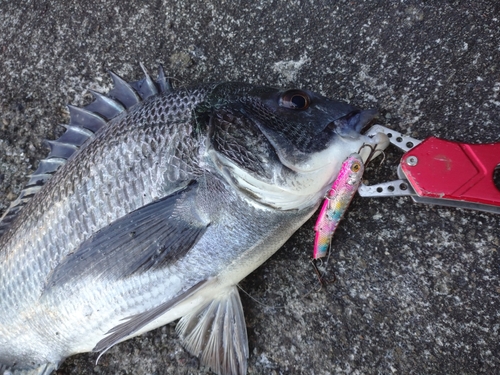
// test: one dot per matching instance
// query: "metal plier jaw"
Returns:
(446, 173)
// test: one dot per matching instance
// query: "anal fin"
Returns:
(217, 334)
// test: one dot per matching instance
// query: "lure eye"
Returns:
(295, 99)
(355, 167)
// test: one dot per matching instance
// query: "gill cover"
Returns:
(277, 146)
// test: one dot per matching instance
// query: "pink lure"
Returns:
(336, 202)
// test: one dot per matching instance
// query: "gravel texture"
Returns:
(417, 287)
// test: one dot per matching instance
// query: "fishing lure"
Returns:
(336, 202)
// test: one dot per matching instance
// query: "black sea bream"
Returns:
(152, 206)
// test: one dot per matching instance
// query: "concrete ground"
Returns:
(417, 288)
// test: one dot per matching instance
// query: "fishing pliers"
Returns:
(442, 172)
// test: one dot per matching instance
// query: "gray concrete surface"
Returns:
(418, 287)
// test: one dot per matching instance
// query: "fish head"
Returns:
(283, 148)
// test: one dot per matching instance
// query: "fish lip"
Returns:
(355, 134)
(353, 123)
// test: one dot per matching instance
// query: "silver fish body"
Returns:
(160, 213)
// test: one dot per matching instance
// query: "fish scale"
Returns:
(102, 206)
(157, 215)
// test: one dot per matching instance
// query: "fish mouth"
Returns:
(355, 122)
(347, 138)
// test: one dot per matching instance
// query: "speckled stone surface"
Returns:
(417, 288)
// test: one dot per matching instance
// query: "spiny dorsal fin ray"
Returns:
(38, 179)
(145, 87)
(61, 149)
(8, 217)
(164, 83)
(106, 107)
(75, 135)
(49, 166)
(84, 122)
(123, 92)
(85, 119)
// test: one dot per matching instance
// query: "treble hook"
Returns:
(373, 150)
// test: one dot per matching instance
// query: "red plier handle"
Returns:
(438, 171)
(437, 168)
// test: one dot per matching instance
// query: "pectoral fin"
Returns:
(217, 334)
(151, 237)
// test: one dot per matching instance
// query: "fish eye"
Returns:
(355, 167)
(295, 99)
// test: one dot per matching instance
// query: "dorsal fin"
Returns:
(123, 92)
(85, 119)
(106, 107)
(145, 87)
(164, 83)
(83, 123)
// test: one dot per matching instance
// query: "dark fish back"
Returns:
(84, 123)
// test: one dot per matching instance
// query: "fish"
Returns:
(336, 202)
(153, 205)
